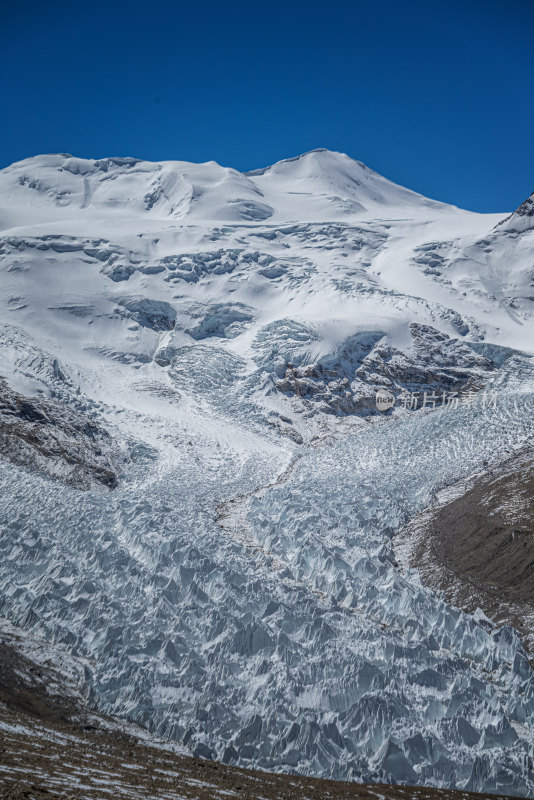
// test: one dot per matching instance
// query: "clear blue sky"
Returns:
(437, 95)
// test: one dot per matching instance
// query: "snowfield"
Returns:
(224, 336)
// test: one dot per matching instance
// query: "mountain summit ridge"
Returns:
(318, 185)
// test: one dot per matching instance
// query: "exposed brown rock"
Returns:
(479, 546)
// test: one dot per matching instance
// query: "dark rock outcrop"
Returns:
(49, 437)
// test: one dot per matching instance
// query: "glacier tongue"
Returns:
(225, 334)
(301, 647)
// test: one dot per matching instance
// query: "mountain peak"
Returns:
(344, 184)
(522, 218)
(317, 155)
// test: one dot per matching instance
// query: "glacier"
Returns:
(237, 590)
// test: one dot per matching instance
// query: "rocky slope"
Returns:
(52, 438)
(477, 544)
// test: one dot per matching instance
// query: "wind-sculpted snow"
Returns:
(234, 588)
(171, 189)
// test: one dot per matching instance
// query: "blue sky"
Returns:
(437, 96)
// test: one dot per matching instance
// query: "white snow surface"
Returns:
(274, 631)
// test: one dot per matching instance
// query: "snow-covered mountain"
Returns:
(317, 186)
(202, 349)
